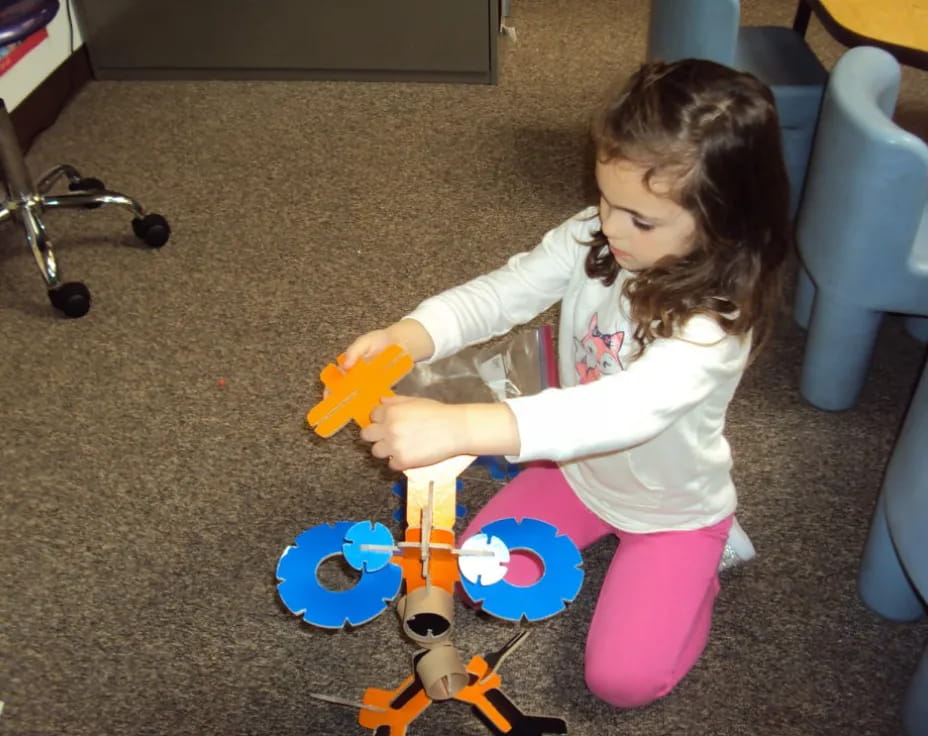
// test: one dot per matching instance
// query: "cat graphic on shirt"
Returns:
(598, 352)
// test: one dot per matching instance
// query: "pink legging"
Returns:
(654, 611)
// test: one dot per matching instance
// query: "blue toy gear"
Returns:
(368, 533)
(559, 584)
(498, 467)
(302, 593)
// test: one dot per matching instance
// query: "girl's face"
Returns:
(642, 224)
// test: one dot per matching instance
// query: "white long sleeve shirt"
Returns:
(640, 441)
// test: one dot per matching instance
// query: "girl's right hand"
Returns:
(407, 333)
(367, 346)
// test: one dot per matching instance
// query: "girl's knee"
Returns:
(628, 687)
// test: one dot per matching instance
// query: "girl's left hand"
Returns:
(413, 432)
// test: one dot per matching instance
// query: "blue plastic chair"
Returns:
(25, 200)
(778, 56)
(894, 572)
(862, 227)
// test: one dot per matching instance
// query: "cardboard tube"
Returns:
(441, 672)
(427, 614)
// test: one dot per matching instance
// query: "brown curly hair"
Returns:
(714, 133)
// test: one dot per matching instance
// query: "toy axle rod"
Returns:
(434, 545)
(344, 701)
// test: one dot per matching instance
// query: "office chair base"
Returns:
(73, 298)
(25, 202)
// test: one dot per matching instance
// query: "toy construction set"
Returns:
(422, 570)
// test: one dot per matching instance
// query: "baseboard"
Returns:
(45, 103)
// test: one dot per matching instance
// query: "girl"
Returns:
(667, 289)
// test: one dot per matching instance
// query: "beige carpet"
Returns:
(145, 505)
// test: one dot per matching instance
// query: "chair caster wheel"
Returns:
(87, 184)
(153, 229)
(72, 298)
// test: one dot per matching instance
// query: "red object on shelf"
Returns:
(12, 53)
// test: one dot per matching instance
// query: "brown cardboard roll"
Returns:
(441, 672)
(427, 614)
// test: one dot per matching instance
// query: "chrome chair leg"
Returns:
(90, 199)
(48, 179)
(152, 228)
(40, 244)
(73, 297)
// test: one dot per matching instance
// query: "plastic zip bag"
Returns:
(521, 364)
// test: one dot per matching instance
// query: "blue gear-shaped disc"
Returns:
(559, 584)
(303, 594)
(367, 532)
(498, 467)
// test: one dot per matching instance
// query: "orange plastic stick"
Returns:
(396, 718)
(353, 394)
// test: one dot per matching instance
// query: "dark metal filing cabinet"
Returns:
(418, 40)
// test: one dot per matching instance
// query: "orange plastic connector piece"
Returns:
(354, 393)
(443, 564)
(396, 709)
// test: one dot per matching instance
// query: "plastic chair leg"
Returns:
(882, 582)
(805, 297)
(797, 149)
(905, 489)
(837, 352)
(915, 705)
(917, 327)
(680, 30)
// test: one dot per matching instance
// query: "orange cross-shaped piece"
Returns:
(354, 393)
(475, 692)
(393, 710)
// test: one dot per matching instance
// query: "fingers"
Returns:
(407, 431)
(395, 399)
(380, 450)
(377, 430)
(357, 349)
(381, 412)
(378, 434)
(366, 346)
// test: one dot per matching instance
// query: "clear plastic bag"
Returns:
(520, 364)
